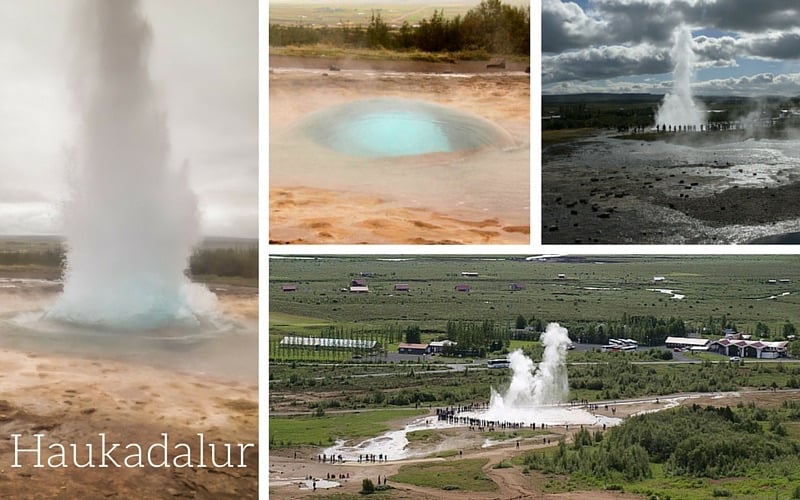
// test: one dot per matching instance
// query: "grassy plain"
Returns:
(593, 289)
(326, 429)
(355, 14)
(464, 474)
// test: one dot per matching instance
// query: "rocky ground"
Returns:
(588, 199)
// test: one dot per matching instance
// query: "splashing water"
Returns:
(678, 108)
(131, 221)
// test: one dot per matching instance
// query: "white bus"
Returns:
(498, 363)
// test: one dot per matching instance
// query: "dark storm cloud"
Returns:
(745, 15)
(617, 38)
(604, 63)
(780, 46)
(633, 18)
(641, 20)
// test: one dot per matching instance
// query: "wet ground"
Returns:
(605, 189)
(77, 388)
(466, 196)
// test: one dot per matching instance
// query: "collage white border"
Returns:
(534, 248)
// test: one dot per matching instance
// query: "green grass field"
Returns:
(327, 429)
(734, 286)
(463, 475)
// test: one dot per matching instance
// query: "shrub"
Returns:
(367, 487)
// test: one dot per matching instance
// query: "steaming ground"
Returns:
(602, 189)
(71, 389)
(316, 197)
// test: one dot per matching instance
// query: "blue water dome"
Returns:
(393, 127)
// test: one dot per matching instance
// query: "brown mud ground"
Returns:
(71, 400)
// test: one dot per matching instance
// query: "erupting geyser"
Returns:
(535, 393)
(131, 221)
(393, 127)
(547, 384)
(678, 108)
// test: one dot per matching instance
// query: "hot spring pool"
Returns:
(393, 127)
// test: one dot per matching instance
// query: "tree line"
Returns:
(242, 262)
(53, 257)
(491, 27)
(693, 441)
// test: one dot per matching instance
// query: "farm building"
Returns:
(461, 288)
(562, 276)
(469, 274)
(289, 287)
(687, 342)
(402, 287)
(749, 348)
(418, 349)
(358, 286)
(440, 346)
(516, 286)
(329, 343)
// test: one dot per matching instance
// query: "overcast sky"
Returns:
(743, 47)
(204, 64)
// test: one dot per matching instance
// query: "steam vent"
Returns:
(391, 127)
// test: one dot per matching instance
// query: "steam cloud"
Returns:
(546, 384)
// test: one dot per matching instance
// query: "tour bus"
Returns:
(498, 363)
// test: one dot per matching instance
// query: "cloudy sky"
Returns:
(205, 66)
(742, 47)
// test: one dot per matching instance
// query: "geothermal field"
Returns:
(398, 152)
(689, 177)
(534, 398)
(124, 348)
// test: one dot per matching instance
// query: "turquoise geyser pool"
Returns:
(393, 127)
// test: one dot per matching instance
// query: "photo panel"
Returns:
(432, 373)
(669, 123)
(129, 249)
(399, 124)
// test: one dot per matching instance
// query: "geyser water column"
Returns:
(541, 385)
(678, 108)
(536, 392)
(387, 127)
(131, 221)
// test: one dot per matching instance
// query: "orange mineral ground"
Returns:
(472, 197)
